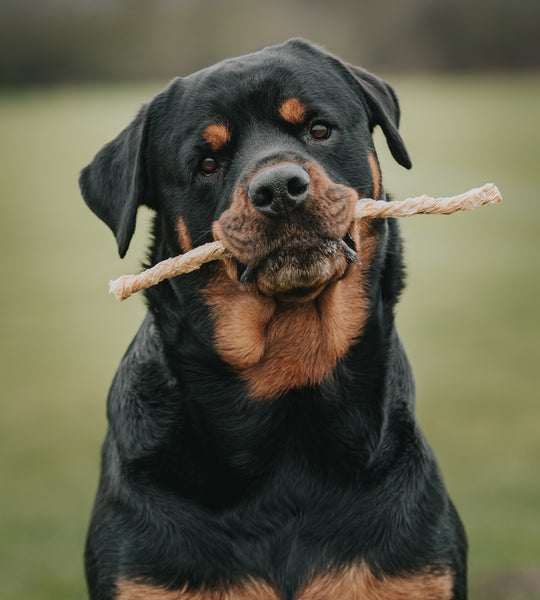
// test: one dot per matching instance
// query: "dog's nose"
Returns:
(279, 190)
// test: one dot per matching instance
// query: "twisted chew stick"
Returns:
(423, 205)
(126, 285)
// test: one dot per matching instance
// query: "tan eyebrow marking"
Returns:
(217, 135)
(293, 111)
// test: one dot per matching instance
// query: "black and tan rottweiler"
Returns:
(262, 439)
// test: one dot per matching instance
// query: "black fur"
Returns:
(202, 485)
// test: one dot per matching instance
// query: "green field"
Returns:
(469, 318)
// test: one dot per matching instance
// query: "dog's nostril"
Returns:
(278, 190)
(297, 187)
(261, 196)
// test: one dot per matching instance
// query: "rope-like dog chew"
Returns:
(126, 285)
(423, 205)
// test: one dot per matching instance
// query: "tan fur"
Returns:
(274, 347)
(355, 582)
(183, 236)
(241, 320)
(375, 175)
(217, 135)
(293, 111)
(358, 583)
(250, 590)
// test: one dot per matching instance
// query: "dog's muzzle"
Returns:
(287, 230)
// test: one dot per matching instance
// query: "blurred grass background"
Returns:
(469, 315)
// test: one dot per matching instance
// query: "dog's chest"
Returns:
(352, 582)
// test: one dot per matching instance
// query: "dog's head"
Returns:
(267, 152)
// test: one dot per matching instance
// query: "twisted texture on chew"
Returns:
(126, 285)
(488, 194)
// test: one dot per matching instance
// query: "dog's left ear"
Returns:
(383, 107)
(114, 184)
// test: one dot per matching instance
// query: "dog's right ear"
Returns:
(115, 183)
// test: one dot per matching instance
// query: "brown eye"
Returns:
(320, 131)
(208, 166)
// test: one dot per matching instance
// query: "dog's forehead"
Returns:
(287, 61)
(264, 78)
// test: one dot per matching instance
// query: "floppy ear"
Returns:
(383, 109)
(114, 184)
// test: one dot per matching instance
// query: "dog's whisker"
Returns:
(248, 274)
(350, 254)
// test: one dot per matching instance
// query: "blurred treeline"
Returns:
(48, 41)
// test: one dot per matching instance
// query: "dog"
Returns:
(262, 442)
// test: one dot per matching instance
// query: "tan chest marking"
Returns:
(250, 590)
(275, 349)
(358, 583)
(355, 582)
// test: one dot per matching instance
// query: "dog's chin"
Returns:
(299, 274)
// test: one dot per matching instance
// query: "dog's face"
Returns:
(267, 152)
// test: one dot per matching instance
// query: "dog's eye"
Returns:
(320, 130)
(208, 165)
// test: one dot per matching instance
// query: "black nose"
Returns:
(279, 190)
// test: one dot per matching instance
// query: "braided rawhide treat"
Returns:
(126, 285)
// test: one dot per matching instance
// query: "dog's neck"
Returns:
(268, 348)
(349, 408)
(272, 347)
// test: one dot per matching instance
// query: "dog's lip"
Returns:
(293, 261)
(246, 273)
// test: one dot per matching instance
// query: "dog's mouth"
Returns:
(301, 270)
(293, 254)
